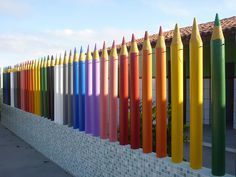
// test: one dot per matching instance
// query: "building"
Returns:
(229, 30)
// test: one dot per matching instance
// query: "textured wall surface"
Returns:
(83, 155)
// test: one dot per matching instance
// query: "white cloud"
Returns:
(14, 7)
(18, 47)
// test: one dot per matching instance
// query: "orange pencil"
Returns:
(147, 95)
(161, 137)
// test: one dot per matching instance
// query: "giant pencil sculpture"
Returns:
(65, 90)
(8, 85)
(12, 79)
(49, 81)
(30, 87)
(18, 87)
(96, 93)
(52, 87)
(196, 97)
(39, 88)
(61, 98)
(161, 133)
(76, 90)
(177, 97)
(81, 90)
(70, 90)
(56, 91)
(218, 99)
(22, 86)
(147, 95)
(14, 86)
(134, 95)
(33, 87)
(104, 94)
(88, 93)
(42, 87)
(113, 94)
(27, 86)
(46, 99)
(123, 93)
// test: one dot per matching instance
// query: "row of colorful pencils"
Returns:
(83, 92)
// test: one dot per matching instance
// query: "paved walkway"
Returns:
(19, 159)
(230, 154)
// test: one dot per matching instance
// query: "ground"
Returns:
(19, 159)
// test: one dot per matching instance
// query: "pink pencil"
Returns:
(104, 93)
(113, 93)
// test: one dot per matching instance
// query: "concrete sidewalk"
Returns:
(19, 159)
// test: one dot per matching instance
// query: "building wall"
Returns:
(230, 56)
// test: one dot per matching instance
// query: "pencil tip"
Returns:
(88, 49)
(95, 47)
(113, 44)
(146, 35)
(160, 31)
(81, 49)
(217, 20)
(123, 41)
(133, 38)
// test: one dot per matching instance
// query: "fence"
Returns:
(100, 95)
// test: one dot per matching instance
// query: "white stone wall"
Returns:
(84, 155)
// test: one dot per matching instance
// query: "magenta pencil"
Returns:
(104, 93)
(88, 93)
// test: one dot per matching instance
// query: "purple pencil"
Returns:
(88, 93)
(96, 92)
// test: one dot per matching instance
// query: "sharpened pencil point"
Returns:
(113, 44)
(95, 47)
(160, 31)
(217, 20)
(81, 49)
(146, 35)
(133, 38)
(123, 41)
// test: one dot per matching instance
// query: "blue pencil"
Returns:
(81, 90)
(75, 91)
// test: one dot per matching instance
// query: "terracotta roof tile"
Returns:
(228, 27)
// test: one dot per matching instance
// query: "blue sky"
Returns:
(31, 29)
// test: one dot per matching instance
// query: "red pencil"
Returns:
(123, 92)
(134, 95)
